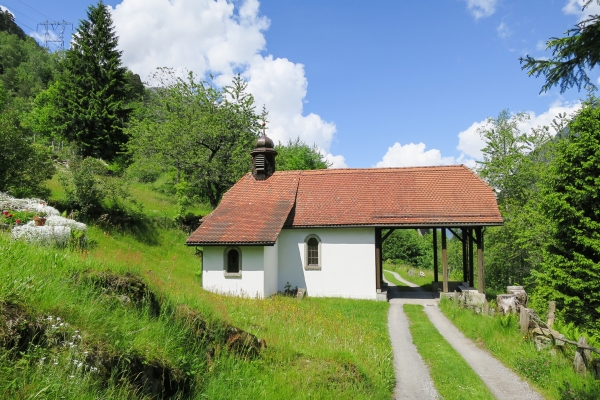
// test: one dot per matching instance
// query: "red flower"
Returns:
(9, 215)
(18, 221)
(5, 213)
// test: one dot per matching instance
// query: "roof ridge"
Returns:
(377, 169)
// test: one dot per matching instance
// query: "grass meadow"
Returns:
(316, 348)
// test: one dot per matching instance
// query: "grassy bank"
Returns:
(316, 348)
(551, 371)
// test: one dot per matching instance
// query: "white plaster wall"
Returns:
(271, 268)
(347, 262)
(252, 281)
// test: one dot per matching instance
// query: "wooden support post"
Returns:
(444, 260)
(378, 257)
(435, 256)
(471, 260)
(465, 255)
(480, 272)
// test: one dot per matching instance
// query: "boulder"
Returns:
(551, 334)
(507, 303)
(472, 298)
(521, 295)
(542, 343)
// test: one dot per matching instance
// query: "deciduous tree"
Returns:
(296, 155)
(514, 164)
(24, 166)
(203, 132)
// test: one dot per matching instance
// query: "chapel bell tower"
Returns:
(263, 157)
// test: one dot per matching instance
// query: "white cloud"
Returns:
(222, 38)
(41, 36)
(413, 155)
(336, 161)
(470, 142)
(481, 8)
(503, 30)
(574, 7)
(540, 46)
(281, 85)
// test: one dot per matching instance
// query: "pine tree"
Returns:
(91, 107)
(571, 272)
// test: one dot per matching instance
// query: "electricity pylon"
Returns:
(54, 25)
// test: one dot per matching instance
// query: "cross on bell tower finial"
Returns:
(264, 119)
(263, 155)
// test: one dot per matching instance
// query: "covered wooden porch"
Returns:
(471, 238)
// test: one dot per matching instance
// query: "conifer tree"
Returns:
(571, 272)
(91, 106)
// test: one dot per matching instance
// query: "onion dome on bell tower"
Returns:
(263, 157)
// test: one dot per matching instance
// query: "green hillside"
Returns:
(128, 318)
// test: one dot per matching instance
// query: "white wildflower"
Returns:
(8, 202)
(45, 235)
(57, 220)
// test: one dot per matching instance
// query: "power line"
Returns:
(42, 14)
(55, 24)
(12, 9)
(20, 23)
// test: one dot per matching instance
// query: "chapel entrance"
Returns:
(471, 239)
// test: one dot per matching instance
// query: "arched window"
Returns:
(312, 252)
(232, 260)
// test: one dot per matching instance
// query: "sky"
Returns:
(385, 83)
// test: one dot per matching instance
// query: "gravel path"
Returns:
(502, 382)
(401, 279)
(412, 375)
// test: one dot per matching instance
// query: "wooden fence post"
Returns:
(551, 313)
(582, 357)
(524, 320)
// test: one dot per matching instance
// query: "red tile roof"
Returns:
(251, 212)
(254, 212)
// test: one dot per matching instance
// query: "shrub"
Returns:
(24, 166)
(407, 246)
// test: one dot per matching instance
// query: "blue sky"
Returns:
(383, 83)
